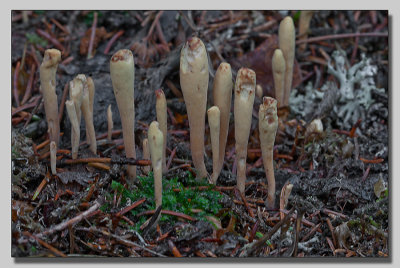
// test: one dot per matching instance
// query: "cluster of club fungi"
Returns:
(194, 78)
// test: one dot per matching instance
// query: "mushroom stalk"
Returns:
(194, 83)
(69, 104)
(53, 157)
(214, 123)
(91, 89)
(278, 71)
(161, 111)
(88, 115)
(268, 124)
(48, 70)
(304, 25)
(122, 69)
(222, 94)
(75, 94)
(156, 147)
(287, 37)
(146, 155)
(245, 87)
(110, 123)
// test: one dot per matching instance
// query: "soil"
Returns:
(340, 176)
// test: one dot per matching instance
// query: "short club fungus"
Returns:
(161, 111)
(245, 87)
(287, 37)
(155, 137)
(222, 94)
(214, 123)
(194, 83)
(122, 70)
(278, 71)
(268, 124)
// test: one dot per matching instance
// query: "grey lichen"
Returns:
(351, 100)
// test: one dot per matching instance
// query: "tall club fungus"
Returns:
(268, 124)
(222, 94)
(122, 70)
(243, 107)
(287, 37)
(48, 70)
(194, 83)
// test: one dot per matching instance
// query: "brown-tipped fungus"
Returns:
(88, 115)
(194, 83)
(161, 111)
(222, 94)
(214, 123)
(75, 94)
(268, 124)
(53, 157)
(304, 25)
(287, 37)
(245, 87)
(122, 70)
(110, 123)
(278, 71)
(48, 70)
(146, 155)
(156, 138)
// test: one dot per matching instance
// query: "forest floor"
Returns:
(339, 203)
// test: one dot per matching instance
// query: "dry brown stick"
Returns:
(129, 208)
(154, 24)
(168, 212)
(28, 90)
(120, 239)
(92, 35)
(261, 242)
(328, 221)
(245, 203)
(44, 244)
(52, 40)
(112, 40)
(72, 221)
(15, 84)
(340, 36)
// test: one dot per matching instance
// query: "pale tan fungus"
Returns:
(214, 123)
(161, 111)
(222, 94)
(69, 104)
(245, 87)
(193, 74)
(146, 155)
(268, 124)
(110, 123)
(156, 138)
(48, 70)
(278, 71)
(53, 157)
(287, 36)
(122, 70)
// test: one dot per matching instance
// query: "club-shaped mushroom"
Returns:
(156, 138)
(161, 111)
(194, 83)
(268, 124)
(287, 37)
(214, 123)
(222, 94)
(245, 87)
(122, 70)
(278, 71)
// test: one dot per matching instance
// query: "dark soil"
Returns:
(340, 177)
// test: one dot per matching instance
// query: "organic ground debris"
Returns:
(339, 201)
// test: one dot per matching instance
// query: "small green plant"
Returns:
(35, 39)
(179, 196)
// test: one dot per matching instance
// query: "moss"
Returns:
(188, 200)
